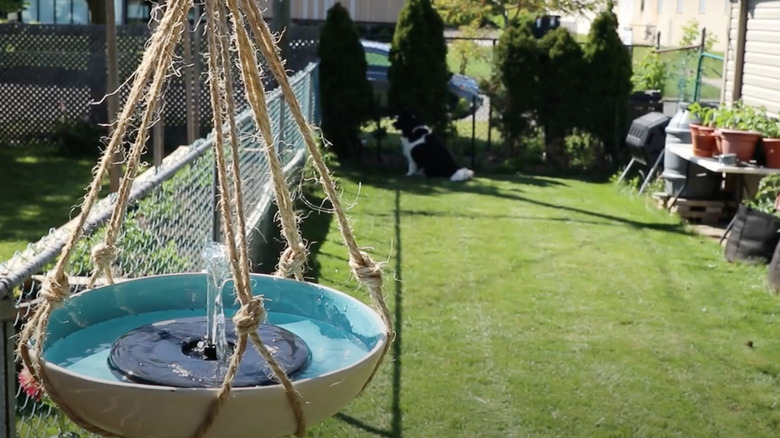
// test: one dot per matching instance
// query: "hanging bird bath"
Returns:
(342, 338)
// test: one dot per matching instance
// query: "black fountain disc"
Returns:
(167, 353)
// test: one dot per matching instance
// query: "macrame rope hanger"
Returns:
(226, 29)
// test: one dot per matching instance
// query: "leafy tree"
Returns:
(344, 89)
(467, 50)
(459, 12)
(609, 82)
(687, 64)
(418, 71)
(561, 85)
(12, 5)
(516, 71)
(97, 11)
(651, 74)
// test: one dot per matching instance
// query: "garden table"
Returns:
(742, 171)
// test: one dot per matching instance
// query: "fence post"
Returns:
(490, 111)
(112, 84)
(697, 84)
(473, 131)
(8, 382)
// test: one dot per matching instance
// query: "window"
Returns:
(660, 7)
(702, 6)
(63, 12)
(679, 6)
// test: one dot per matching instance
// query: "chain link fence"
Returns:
(170, 220)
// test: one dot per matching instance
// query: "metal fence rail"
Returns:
(170, 221)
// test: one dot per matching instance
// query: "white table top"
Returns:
(686, 151)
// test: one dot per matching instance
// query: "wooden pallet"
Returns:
(697, 210)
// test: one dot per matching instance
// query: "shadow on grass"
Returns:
(40, 191)
(421, 186)
(396, 422)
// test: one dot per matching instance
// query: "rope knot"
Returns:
(292, 259)
(103, 254)
(249, 317)
(55, 289)
(366, 270)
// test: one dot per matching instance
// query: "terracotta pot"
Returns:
(772, 150)
(741, 143)
(704, 144)
(694, 133)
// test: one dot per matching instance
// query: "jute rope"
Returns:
(367, 271)
(294, 256)
(55, 288)
(251, 313)
(156, 61)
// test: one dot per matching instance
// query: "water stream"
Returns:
(218, 273)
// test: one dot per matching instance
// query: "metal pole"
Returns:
(157, 129)
(697, 84)
(115, 171)
(490, 112)
(474, 131)
(8, 381)
(196, 69)
(280, 24)
(188, 82)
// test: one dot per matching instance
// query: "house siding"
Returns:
(761, 71)
(729, 67)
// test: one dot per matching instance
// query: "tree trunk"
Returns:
(97, 11)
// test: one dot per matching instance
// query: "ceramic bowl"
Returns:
(151, 411)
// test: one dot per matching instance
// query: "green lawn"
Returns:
(40, 191)
(540, 306)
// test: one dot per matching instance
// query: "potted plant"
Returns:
(737, 129)
(770, 139)
(754, 233)
(702, 133)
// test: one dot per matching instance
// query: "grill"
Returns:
(645, 141)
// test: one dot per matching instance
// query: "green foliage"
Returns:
(12, 5)
(738, 116)
(688, 61)
(581, 150)
(77, 138)
(561, 85)
(692, 36)
(418, 71)
(766, 195)
(702, 112)
(651, 74)
(460, 12)
(346, 95)
(609, 81)
(517, 83)
(467, 51)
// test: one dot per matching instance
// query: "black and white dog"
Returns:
(425, 152)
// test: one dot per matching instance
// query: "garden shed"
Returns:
(752, 67)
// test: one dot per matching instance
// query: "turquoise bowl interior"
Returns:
(187, 292)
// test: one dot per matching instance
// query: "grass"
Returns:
(41, 191)
(546, 306)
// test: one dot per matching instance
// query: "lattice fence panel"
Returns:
(53, 73)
